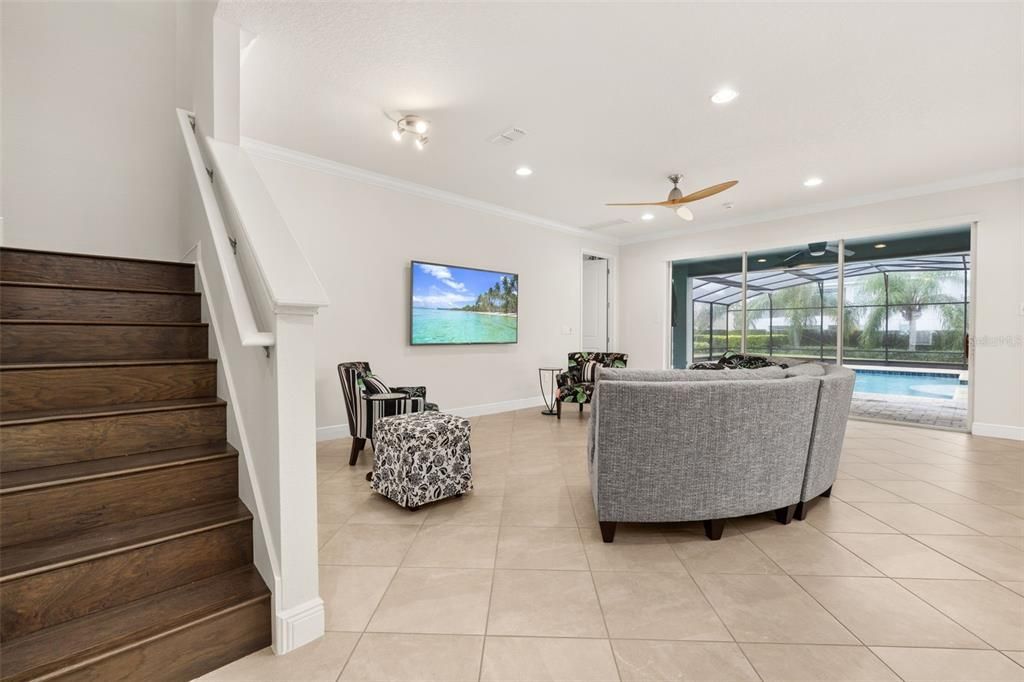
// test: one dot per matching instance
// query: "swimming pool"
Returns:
(919, 384)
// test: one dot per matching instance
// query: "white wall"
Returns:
(90, 143)
(360, 239)
(999, 324)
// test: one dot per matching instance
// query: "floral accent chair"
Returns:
(365, 403)
(576, 385)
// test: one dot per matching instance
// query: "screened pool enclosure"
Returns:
(904, 301)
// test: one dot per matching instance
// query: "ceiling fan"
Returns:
(676, 198)
(817, 249)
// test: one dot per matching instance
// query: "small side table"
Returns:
(548, 394)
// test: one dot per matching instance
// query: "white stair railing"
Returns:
(260, 296)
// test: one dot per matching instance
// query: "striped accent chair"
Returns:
(364, 409)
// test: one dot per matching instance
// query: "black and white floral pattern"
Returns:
(422, 457)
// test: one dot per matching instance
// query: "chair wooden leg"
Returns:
(827, 493)
(581, 408)
(801, 510)
(607, 530)
(713, 528)
(357, 447)
(558, 409)
(785, 514)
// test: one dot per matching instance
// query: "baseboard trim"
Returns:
(998, 431)
(298, 625)
(332, 432)
(495, 408)
(335, 431)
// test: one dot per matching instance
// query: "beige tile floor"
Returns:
(913, 570)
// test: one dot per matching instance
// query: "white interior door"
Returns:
(595, 305)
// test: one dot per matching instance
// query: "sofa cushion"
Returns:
(807, 369)
(614, 374)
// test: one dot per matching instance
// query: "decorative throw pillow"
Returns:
(372, 385)
(590, 371)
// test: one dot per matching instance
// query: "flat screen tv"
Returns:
(454, 305)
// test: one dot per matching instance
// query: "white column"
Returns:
(299, 609)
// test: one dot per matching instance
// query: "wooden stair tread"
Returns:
(41, 555)
(34, 416)
(93, 287)
(63, 474)
(28, 366)
(96, 256)
(105, 323)
(77, 643)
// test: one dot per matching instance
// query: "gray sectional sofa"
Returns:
(708, 445)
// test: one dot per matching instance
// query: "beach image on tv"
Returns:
(463, 305)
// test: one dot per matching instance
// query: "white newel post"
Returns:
(299, 609)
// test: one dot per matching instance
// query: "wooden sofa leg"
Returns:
(827, 493)
(357, 447)
(607, 530)
(558, 409)
(713, 528)
(581, 408)
(801, 510)
(785, 514)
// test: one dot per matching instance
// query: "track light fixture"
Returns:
(413, 125)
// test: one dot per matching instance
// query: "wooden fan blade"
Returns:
(644, 203)
(707, 192)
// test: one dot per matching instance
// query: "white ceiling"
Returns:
(614, 96)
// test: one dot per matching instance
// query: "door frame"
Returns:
(612, 295)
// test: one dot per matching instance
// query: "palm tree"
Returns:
(908, 293)
(801, 305)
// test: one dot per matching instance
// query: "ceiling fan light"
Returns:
(813, 181)
(724, 96)
(647, 216)
(684, 213)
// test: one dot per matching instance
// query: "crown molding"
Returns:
(322, 165)
(978, 180)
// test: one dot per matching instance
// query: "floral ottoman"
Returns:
(421, 457)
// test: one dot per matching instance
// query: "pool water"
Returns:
(907, 383)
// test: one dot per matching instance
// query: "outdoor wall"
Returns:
(89, 139)
(999, 323)
(360, 239)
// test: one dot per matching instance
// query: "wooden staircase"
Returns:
(125, 552)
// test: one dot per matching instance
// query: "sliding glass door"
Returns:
(903, 328)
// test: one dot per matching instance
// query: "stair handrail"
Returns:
(241, 307)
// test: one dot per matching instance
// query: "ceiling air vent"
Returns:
(508, 136)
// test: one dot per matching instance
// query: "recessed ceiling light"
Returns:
(523, 171)
(880, 246)
(813, 182)
(762, 260)
(724, 96)
(647, 216)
